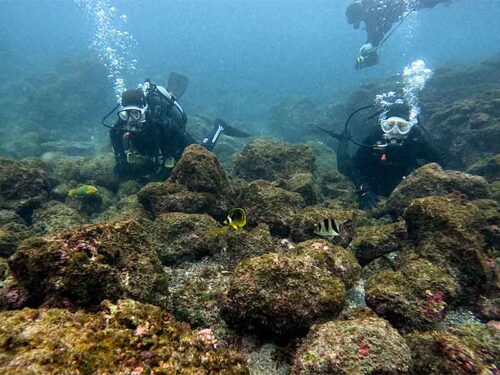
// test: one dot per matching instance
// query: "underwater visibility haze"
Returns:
(250, 187)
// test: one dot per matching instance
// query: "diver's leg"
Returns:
(211, 139)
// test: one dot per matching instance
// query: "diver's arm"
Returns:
(116, 135)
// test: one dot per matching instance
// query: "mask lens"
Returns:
(135, 114)
(123, 115)
(403, 126)
(387, 125)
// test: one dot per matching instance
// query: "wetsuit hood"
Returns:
(354, 14)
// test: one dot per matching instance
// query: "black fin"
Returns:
(229, 130)
(177, 84)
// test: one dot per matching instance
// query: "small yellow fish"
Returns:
(83, 191)
(236, 218)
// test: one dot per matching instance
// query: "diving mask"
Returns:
(395, 125)
(133, 113)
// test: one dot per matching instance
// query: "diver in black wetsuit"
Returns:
(395, 147)
(391, 152)
(378, 17)
(150, 132)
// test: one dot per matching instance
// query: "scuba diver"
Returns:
(150, 135)
(394, 148)
(378, 17)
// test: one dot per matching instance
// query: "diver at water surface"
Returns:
(150, 132)
(394, 148)
(378, 17)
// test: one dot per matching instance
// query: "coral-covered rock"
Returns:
(12, 294)
(200, 171)
(373, 241)
(306, 224)
(415, 297)
(181, 237)
(12, 231)
(467, 349)
(267, 160)
(22, 188)
(98, 170)
(359, 346)
(265, 203)
(126, 338)
(336, 186)
(447, 231)
(197, 293)
(304, 184)
(432, 180)
(108, 260)
(55, 216)
(163, 197)
(339, 261)
(282, 295)
(489, 168)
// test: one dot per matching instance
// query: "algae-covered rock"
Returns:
(127, 208)
(55, 216)
(306, 224)
(197, 184)
(268, 160)
(128, 188)
(200, 171)
(339, 261)
(373, 241)
(180, 237)
(101, 261)
(22, 188)
(432, 180)
(488, 168)
(359, 346)
(13, 230)
(197, 293)
(12, 294)
(467, 349)
(92, 204)
(265, 203)
(447, 231)
(337, 186)
(304, 184)
(282, 295)
(98, 170)
(163, 197)
(415, 297)
(126, 338)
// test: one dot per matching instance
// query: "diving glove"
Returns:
(368, 198)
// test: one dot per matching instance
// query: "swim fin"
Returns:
(229, 130)
(177, 84)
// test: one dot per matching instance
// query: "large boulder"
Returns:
(413, 298)
(488, 168)
(373, 241)
(360, 346)
(279, 295)
(268, 160)
(126, 338)
(109, 260)
(284, 294)
(197, 184)
(13, 230)
(274, 206)
(448, 232)
(55, 216)
(462, 350)
(431, 179)
(200, 171)
(22, 188)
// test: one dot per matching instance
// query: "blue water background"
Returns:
(243, 56)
